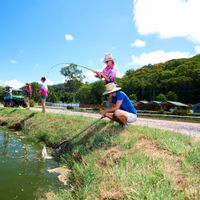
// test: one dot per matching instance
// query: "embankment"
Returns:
(109, 162)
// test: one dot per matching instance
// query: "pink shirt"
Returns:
(43, 90)
(110, 72)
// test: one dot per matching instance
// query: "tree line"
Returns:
(175, 80)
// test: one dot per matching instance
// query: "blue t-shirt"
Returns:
(126, 103)
(8, 94)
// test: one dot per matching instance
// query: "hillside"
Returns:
(180, 76)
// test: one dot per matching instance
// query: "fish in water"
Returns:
(45, 154)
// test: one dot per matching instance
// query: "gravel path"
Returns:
(192, 129)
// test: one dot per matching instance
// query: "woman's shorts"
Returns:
(43, 97)
(131, 117)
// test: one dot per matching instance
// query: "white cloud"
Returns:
(168, 18)
(197, 49)
(13, 61)
(120, 74)
(69, 37)
(14, 84)
(157, 57)
(89, 77)
(138, 43)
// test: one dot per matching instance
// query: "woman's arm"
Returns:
(113, 109)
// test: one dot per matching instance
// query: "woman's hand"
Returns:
(98, 74)
(103, 112)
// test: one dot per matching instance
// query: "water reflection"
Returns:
(4, 139)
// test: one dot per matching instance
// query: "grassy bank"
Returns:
(113, 163)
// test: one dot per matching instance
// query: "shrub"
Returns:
(32, 103)
(70, 107)
(103, 104)
(161, 111)
(180, 112)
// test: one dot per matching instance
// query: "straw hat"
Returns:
(108, 57)
(111, 87)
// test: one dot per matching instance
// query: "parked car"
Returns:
(18, 98)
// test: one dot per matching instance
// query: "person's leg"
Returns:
(26, 102)
(10, 102)
(109, 115)
(5, 103)
(43, 101)
(119, 116)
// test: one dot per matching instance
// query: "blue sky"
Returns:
(37, 34)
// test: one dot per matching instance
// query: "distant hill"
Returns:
(180, 76)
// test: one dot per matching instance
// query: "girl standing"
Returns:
(28, 92)
(43, 93)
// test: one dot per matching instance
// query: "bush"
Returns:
(95, 109)
(180, 112)
(70, 107)
(32, 103)
(103, 104)
(161, 111)
(161, 97)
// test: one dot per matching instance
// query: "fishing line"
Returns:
(68, 65)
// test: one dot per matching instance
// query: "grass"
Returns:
(109, 162)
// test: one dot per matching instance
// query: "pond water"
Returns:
(23, 173)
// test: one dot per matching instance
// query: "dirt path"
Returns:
(192, 129)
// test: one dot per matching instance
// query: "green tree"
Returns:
(172, 96)
(161, 97)
(84, 94)
(73, 78)
(1, 93)
(35, 91)
(97, 90)
(66, 97)
(133, 97)
(52, 97)
(72, 72)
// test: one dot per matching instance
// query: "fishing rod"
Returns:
(69, 64)
(57, 151)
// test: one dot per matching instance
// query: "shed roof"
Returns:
(144, 102)
(176, 103)
(156, 102)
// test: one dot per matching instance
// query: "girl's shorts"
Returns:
(43, 97)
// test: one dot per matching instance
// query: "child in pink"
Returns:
(43, 93)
